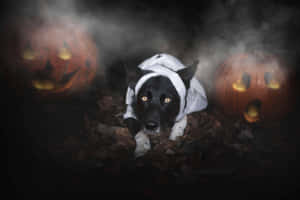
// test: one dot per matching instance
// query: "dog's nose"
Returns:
(151, 125)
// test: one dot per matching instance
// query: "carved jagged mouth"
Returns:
(48, 85)
(51, 85)
(252, 112)
(44, 85)
(42, 81)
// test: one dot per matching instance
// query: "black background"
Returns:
(27, 165)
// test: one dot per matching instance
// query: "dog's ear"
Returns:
(187, 73)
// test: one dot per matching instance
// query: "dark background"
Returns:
(30, 169)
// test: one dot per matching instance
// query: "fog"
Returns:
(225, 28)
(236, 27)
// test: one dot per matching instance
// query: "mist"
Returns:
(119, 30)
(240, 26)
(123, 30)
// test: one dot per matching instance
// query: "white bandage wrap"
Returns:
(129, 110)
(191, 100)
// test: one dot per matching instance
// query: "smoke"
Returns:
(234, 27)
(120, 30)
(226, 27)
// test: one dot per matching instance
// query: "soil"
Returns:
(82, 144)
(79, 143)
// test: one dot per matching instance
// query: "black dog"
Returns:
(161, 98)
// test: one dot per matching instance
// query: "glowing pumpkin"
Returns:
(58, 57)
(256, 87)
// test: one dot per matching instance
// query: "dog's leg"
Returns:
(142, 144)
(178, 128)
(133, 125)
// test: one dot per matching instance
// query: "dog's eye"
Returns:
(167, 100)
(144, 98)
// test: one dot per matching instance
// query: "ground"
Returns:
(80, 143)
(87, 142)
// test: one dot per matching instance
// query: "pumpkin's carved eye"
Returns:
(270, 81)
(29, 53)
(241, 85)
(64, 53)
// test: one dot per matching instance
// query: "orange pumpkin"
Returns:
(59, 57)
(255, 86)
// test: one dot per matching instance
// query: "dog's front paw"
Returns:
(178, 129)
(142, 144)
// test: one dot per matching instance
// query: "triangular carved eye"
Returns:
(29, 53)
(64, 53)
(241, 85)
(270, 81)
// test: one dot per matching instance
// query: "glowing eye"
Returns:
(243, 84)
(144, 98)
(29, 54)
(64, 54)
(167, 100)
(271, 82)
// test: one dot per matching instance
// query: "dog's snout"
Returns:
(151, 125)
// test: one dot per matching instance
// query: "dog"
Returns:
(160, 99)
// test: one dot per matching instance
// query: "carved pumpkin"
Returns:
(256, 87)
(57, 57)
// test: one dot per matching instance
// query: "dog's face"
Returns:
(157, 104)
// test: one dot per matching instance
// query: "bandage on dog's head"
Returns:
(191, 93)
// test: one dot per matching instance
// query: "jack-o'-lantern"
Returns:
(58, 57)
(255, 86)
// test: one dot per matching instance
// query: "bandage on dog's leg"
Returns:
(178, 128)
(142, 144)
